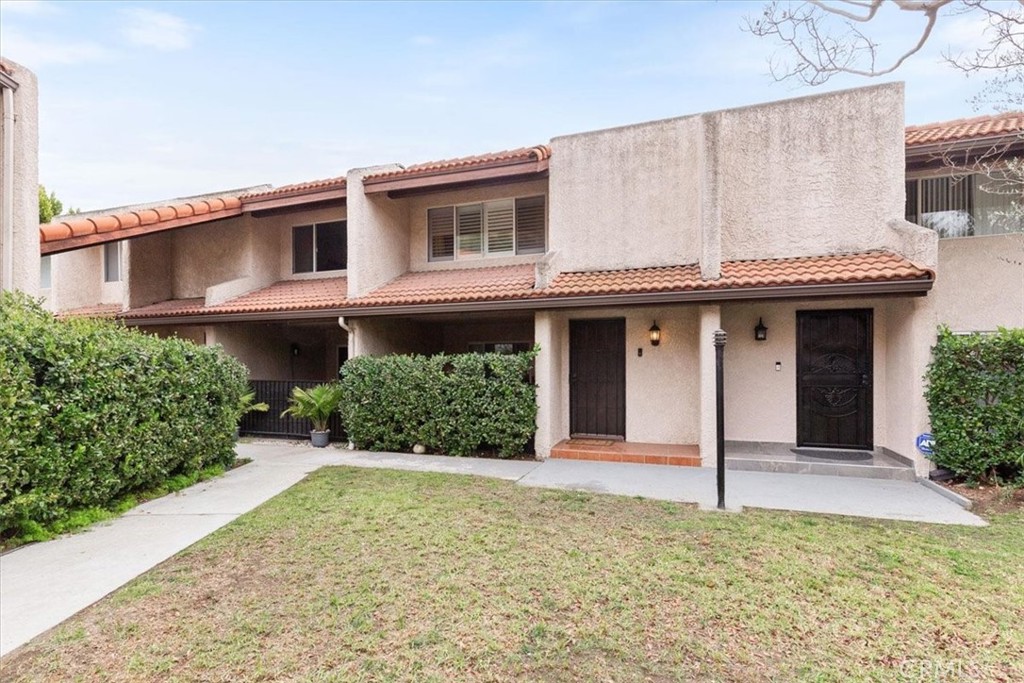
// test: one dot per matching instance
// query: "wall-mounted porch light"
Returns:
(655, 333)
(760, 331)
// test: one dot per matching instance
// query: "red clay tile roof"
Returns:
(451, 286)
(537, 153)
(97, 311)
(286, 295)
(879, 266)
(200, 210)
(965, 129)
(298, 188)
(516, 282)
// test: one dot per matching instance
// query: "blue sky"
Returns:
(146, 101)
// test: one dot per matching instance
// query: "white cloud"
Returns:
(160, 30)
(424, 41)
(38, 51)
(28, 7)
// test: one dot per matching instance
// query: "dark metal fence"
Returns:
(275, 393)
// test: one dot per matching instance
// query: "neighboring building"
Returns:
(781, 220)
(19, 178)
(982, 283)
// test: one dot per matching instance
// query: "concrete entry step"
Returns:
(602, 450)
(753, 456)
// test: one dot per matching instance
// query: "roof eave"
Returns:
(58, 246)
(918, 287)
(455, 176)
(1011, 140)
(294, 198)
(239, 317)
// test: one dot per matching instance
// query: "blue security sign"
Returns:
(926, 443)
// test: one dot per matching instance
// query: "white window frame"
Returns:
(484, 253)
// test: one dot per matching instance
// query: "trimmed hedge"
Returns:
(90, 411)
(453, 404)
(976, 399)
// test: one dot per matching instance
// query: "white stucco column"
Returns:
(710, 320)
(550, 378)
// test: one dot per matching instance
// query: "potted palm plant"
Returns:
(316, 405)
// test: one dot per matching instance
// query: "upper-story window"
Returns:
(319, 247)
(965, 205)
(112, 262)
(506, 227)
(45, 272)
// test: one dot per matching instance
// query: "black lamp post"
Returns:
(720, 413)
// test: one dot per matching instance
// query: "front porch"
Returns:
(756, 456)
(609, 450)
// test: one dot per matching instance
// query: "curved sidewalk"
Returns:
(43, 584)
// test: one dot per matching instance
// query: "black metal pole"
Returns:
(720, 413)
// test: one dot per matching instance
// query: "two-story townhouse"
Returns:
(781, 217)
(618, 252)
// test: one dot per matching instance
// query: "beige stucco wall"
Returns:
(150, 267)
(910, 335)
(266, 348)
(24, 230)
(76, 279)
(760, 402)
(379, 337)
(812, 175)
(378, 236)
(981, 282)
(205, 255)
(218, 261)
(416, 208)
(662, 385)
(457, 336)
(627, 197)
(193, 333)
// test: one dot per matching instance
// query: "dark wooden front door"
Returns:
(597, 378)
(834, 379)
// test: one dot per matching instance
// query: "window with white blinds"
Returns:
(965, 205)
(505, 227)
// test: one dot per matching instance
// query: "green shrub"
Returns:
(976, 400)
(90, 410)
(454, 404)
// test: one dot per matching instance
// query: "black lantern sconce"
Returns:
(760, 331)
(655, 334)
(295, 350)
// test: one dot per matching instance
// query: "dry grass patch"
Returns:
(372, 575)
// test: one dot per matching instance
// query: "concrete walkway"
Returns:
(43, 584)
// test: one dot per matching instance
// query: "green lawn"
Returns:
(373, 575)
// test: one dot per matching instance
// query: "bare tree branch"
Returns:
(803, 29)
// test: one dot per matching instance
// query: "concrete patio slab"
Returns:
(874, 498)
(43, 584)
